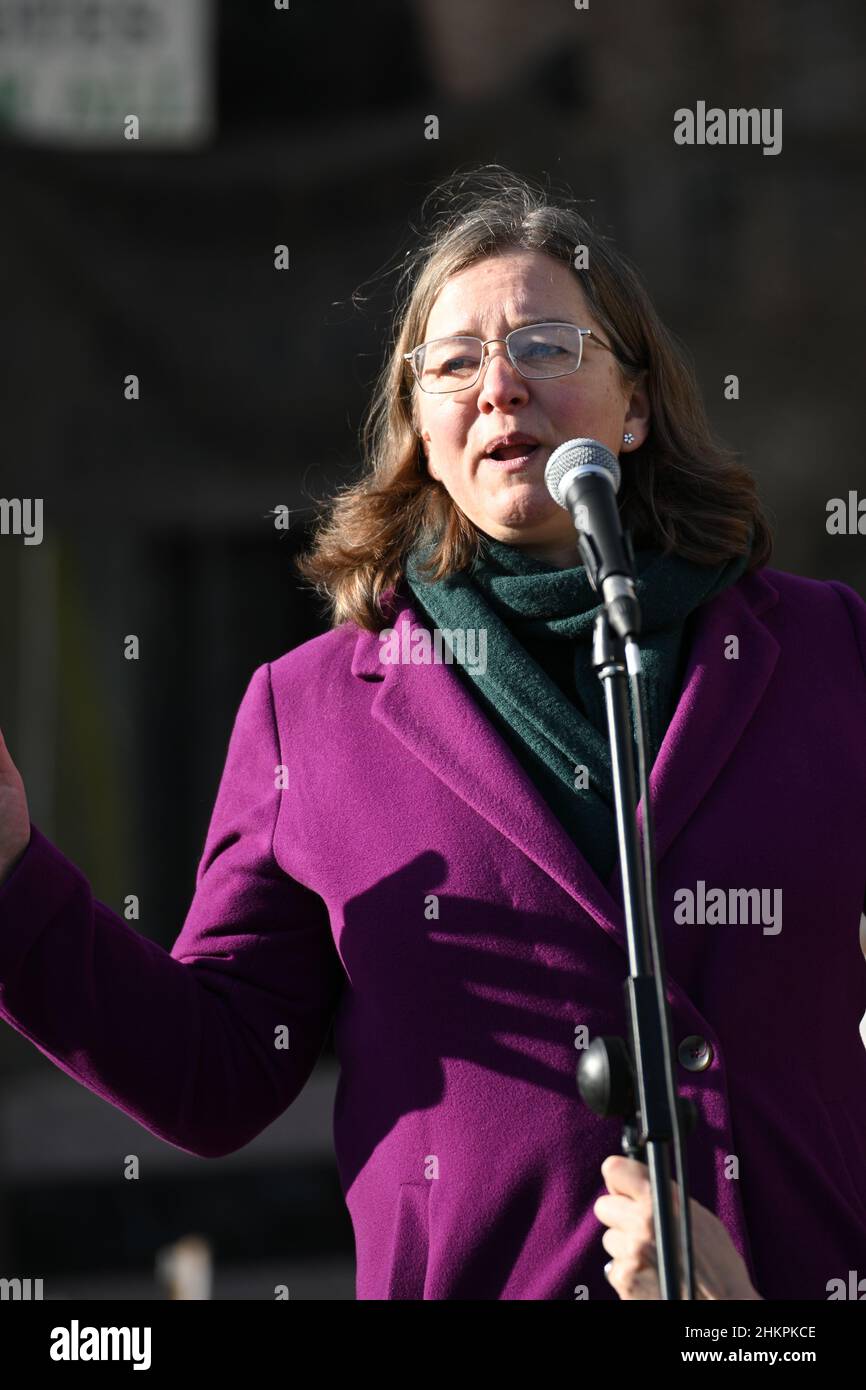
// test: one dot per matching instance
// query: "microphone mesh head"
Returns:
(574, 454)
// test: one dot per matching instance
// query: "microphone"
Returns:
(583, 477)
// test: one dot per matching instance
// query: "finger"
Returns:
(623, 1213)
(629, 1248)
(628, 1177)
(631, 1282)
(625, 1176)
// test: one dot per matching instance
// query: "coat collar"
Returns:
(437, 719)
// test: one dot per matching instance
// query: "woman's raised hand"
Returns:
(14, 813)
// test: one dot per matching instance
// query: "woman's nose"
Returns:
(500, 379)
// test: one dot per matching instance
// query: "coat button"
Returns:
(695, 1053)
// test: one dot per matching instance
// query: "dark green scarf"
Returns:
(539, 687)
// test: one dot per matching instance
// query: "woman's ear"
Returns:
(638, 410)
(424, 451)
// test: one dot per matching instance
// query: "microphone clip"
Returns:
(592, 560)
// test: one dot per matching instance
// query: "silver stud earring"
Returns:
(628, 437)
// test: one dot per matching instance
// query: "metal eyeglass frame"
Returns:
(471, 338)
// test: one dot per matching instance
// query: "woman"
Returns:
(425, 852)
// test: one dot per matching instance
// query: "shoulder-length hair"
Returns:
(683, 491)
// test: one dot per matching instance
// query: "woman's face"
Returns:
(488, 299)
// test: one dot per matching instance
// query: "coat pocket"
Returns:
(410, 1242)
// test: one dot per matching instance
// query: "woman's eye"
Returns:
(541, 350)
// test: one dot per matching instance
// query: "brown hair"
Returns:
(683, 491)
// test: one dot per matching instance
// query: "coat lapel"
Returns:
(436, 718)
(719, 696)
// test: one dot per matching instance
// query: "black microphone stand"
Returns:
(638, 1082)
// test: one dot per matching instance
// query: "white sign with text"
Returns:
(72, 72)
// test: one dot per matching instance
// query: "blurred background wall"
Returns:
(305, 125)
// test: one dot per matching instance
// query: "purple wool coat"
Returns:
(376, 855)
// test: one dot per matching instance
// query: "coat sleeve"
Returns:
(857, 613)
(204, 1046)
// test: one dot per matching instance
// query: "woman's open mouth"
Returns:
(512, 457)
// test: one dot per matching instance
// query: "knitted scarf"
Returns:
(538, 685)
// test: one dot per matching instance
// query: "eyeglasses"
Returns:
(538, 351)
